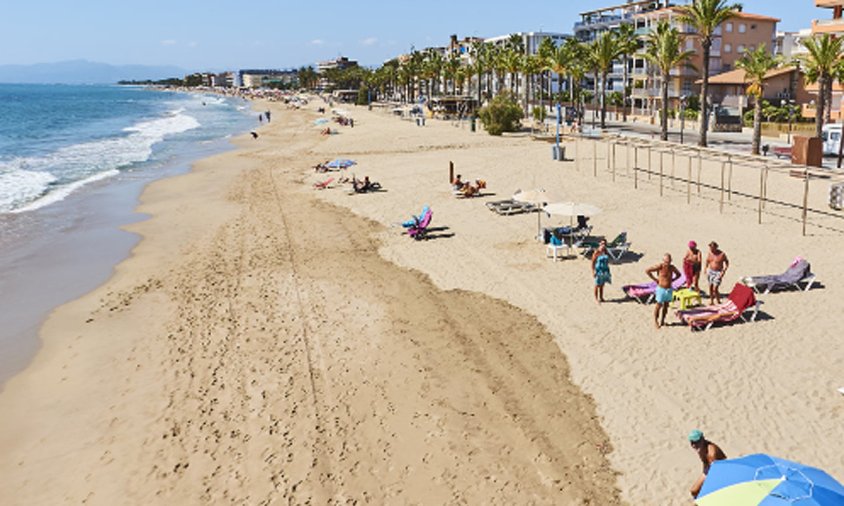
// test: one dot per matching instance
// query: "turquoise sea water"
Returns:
(73, 162)
(56, 139)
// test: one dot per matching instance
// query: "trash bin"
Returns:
(836, 196)
(472, 125)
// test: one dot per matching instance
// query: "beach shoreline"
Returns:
(138, 380)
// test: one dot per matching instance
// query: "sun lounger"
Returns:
(323, 184)
(644, 293)
(419, 231)
(798, 273)
(615, 249)
(507, 207)
(740, 300)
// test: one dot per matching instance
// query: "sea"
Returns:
(73, 162)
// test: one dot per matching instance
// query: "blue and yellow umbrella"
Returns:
(762, 480)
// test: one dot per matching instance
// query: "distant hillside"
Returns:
(84, 72)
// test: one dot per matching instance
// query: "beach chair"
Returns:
(419, 231)
(799, 272)
(416, 219)
(740, 300)
(615, 249)
(323, 184)
(644, 293)
(510, 206)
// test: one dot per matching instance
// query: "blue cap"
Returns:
(695, 436)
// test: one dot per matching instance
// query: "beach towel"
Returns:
(740, 299)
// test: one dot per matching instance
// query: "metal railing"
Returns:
(765, 186)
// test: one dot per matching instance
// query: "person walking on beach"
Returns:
(267, 115)
(691, 266)
(717, 264)
(260, 118)
(708, 452)
(601, 270)
(664, 274)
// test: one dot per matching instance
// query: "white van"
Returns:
(831, 139)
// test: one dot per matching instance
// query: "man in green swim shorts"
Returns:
(664, 274)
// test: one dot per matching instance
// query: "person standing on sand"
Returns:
(708, 452)
(691, 266)
(601, 270)
(260, 118)
(717, 264)
(664, 274)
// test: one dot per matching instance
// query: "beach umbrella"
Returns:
(571, 209)
(341, 163)
(536, 197)
(768, 481)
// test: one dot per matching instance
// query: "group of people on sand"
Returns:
(467, 189)
(666, 273)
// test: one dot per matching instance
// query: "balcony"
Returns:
(829, 3)
(828, 25)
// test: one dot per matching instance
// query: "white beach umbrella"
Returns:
(571, 209)
(536, 197)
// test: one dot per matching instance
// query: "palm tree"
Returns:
(628, 43)
(479, 63)
(604, 51)
(756, 65)
(531, 66)
(450, 68)
(823, 59)
(705, 16)
(544, 54)
(663, 49)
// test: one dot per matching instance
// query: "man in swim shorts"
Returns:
(708, 452)
(664, 274)
(717, 264)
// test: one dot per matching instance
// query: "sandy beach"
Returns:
(268, 342)
(257, 349)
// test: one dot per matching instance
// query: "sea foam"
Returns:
(28, 183)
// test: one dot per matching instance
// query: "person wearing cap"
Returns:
(691, 266)
(716, 267)
(664, 275)
(708, 452)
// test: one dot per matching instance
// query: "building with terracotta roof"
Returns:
(781, 85)
(744, 31)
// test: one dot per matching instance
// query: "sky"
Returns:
(217, 35)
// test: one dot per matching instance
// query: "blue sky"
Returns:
(216, 34)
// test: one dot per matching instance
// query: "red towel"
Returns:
(742, 296)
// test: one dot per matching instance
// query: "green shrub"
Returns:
(503, 114)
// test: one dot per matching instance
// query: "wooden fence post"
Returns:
(805, 200)
(761, 192)
(723, 167)
(595, 157)
(730, 178)
(689, 182)
(661, 170)
(450, 172)
(699, 169)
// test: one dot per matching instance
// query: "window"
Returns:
(690, 45)
(740, 49)
(742, 28)
(729, 28)
(728, 48)
(752, 27)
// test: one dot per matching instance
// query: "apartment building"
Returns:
(530, 42)
(744, 31)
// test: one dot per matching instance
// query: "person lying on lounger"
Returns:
(470, 190)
